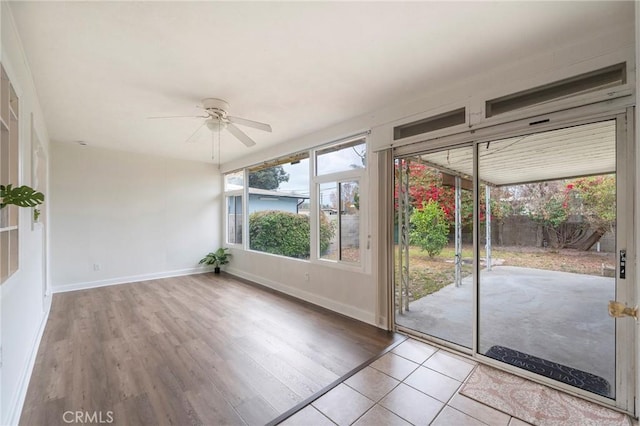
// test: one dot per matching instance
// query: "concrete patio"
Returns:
(557, 316)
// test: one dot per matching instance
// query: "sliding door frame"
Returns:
(625, 329)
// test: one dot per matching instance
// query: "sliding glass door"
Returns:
(511, 249)
(550, 205)
(435, 250)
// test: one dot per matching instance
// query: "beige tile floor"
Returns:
(415, 384)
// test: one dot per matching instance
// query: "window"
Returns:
(340, 169)
(234, 181)
(604, 78)
(430, 124)
(234, 188)
(278, 206)
(234, 219)
(342, 157)
(340, 221)
(284, 217)
(9, 160)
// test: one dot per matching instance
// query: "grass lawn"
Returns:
(428, 275)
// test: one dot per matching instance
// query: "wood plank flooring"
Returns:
(199, 349)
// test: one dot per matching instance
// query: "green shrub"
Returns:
(327, 232)
(285, 233)
(429, 228)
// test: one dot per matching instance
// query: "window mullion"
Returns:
(339, 184)
(314, 211)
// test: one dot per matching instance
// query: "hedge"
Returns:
(285, 233)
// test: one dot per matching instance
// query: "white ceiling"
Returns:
(101, 68)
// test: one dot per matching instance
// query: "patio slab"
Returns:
(558, 316)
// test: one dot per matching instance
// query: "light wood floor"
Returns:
(199, 349)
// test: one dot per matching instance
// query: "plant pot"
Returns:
(216, 270)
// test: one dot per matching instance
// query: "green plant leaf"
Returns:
(22, 196)
(217, 258)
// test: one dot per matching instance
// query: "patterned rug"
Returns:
(562, 373)
(535, 403)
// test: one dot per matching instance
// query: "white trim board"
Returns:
(341, 308)
(130, 279)
(17, 403)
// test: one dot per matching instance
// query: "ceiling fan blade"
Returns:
(250, 123)
(190, 138)
(240, 135)
(178, 116)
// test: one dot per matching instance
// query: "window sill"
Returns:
(350, 267)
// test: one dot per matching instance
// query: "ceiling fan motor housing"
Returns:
(216, 107)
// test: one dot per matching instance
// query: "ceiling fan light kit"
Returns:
(216, 125)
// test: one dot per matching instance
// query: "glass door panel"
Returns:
(434, 235)
(547, 244)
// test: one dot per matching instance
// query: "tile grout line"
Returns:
(422, 364)
(445, 404)
(497, 409)
(457, 392)
(390, 390)
(282, 417)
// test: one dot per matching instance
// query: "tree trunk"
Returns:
(552, 238)
(539, 236)
(588, 242)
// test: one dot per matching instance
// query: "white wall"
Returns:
(361, 295)
(121, 217)
(350, 293)
(23, 309)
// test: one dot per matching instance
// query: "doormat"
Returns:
(562, 373)
(536, 403)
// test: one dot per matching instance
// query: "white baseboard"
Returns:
(383, 322)
(321, 301)
(17, 402)
(130, 279)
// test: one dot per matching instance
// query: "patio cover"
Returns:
(583, 150)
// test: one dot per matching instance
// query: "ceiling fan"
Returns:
(218, 119)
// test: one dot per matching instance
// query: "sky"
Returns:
(335, 161)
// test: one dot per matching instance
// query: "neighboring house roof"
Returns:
(267, 192)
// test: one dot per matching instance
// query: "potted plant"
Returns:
(216, 258)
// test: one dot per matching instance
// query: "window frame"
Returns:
(234, 193)
(299, 156)
(338, 183)
(338, 146)
(359, 175)
(11, 121)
